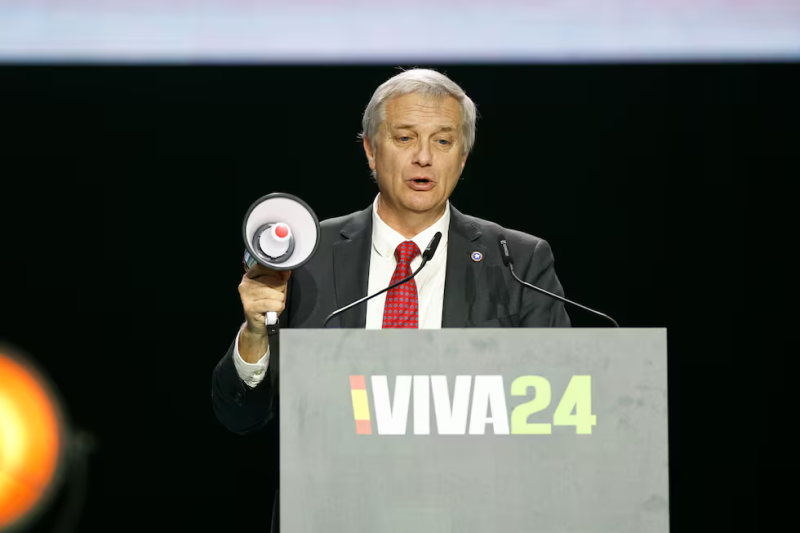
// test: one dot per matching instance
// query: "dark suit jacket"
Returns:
(476, 294)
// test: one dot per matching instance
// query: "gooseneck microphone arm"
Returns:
(509, 262)
(427, 255)
(365, 298)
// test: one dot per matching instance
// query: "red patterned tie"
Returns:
(402, 307)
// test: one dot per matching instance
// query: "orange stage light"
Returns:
(32, 441)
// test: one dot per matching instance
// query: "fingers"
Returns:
(264, 293)
(251, 307)
(259, 300)
(260, 270)
(262, 290)
(265, 281)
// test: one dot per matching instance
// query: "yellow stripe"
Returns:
(360, 404)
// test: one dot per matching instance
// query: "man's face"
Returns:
(420, 153)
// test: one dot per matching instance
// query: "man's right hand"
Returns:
(261, 290)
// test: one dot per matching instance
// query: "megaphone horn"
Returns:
(280, 231)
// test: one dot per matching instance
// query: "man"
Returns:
(419, 128)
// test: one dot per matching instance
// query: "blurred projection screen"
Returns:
(379, 31)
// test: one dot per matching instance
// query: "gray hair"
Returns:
(422, 81)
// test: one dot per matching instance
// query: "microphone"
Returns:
(505, 254)
(427, 255)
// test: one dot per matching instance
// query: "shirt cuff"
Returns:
(251, 373)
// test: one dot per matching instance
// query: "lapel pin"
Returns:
(477, 256)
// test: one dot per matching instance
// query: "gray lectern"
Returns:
(474, 430)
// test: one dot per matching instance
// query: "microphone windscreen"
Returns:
(505, 253)
(431, 249)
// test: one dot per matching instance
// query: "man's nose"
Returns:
(423, 156)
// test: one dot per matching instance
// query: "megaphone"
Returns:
(281, 232)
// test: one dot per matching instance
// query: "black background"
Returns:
(124, 188)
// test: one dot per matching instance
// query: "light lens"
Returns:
(31, 437)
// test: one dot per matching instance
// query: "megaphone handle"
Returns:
(272, 318)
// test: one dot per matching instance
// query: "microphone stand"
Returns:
(365, 298)
(561, 298)
(505, 254)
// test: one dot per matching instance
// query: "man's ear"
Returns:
(370, 155)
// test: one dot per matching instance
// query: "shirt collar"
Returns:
(385, 240)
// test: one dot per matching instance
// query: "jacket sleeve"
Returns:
(238, 407)
(539, 310)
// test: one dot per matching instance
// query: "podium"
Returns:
(474, 430)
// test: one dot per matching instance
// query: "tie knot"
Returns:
(406, 251)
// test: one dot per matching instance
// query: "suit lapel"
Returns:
(462, 273)
(351, 258)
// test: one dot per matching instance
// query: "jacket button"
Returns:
(238, 399)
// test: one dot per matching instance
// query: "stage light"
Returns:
(35, 445)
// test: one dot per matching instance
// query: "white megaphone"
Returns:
(281, 232)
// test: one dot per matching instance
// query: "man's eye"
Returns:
(443, 142)
(405, 139)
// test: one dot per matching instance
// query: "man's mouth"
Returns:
(421, 184)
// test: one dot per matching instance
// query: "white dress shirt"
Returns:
(382, 264)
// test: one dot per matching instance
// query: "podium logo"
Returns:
(488, 405)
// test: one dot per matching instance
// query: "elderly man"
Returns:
(419, 129)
